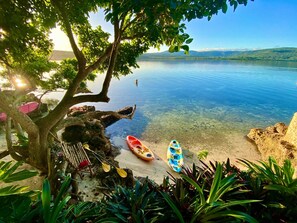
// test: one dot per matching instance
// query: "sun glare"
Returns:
(20, 83)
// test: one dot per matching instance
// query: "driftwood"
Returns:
(107, 118)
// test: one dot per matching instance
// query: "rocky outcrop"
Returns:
(278, 141)
(291, 135)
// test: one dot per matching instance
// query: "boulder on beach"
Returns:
(278, 141)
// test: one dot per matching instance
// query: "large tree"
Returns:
(137, 26)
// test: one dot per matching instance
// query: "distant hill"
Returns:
(60, 55)
(284, 53)
(274, 54)
(280, 54)
(192, 53)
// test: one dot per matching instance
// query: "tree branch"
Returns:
(112, 60)
(7, 106)
(107, 117)
(100, 60)
(77, 52)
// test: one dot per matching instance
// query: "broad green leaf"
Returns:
(188, 41)
(186, 48)
(224, 7)
(21, 175)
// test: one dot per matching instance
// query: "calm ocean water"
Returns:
(203, 103)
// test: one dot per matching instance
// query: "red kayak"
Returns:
(139, 149)
(25, 108)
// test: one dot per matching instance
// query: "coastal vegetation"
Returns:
(214, 192)
(25, 48)
(265, 192)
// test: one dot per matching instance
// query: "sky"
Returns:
(259, 25)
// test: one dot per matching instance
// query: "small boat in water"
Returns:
(175, 156)
(139, 149)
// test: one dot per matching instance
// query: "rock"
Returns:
(281, 128)
(278, 141)
(291, 135)
(255, 134)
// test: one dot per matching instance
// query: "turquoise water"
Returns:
(203, 102)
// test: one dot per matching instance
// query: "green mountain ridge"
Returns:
(279, 54)
(274, 54)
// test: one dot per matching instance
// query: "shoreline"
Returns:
(158, 169)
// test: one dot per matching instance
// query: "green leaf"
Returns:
(224, 7)
(229, 213)
(196, 186)
(186, 48)
(21, 175)
(10, 190)
(46, 200)
(57, 209)
(188, 41)
(173, 206)
(171, 49)
(213, 196)
(7, 170)
(63, 190)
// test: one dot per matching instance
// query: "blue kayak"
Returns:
(175, 156)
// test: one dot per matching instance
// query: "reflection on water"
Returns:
(204, 104)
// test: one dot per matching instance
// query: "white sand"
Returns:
(156, 169)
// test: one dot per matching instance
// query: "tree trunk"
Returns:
(38, 151)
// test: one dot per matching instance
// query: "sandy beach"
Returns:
(155, 170)
(158, 168)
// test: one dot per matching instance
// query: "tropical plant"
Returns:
(8, 174)
(202, 154)
(137, 204)
(87, 211)
(15, 200)
(48, 209)
(276, 186)
(209, 205)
